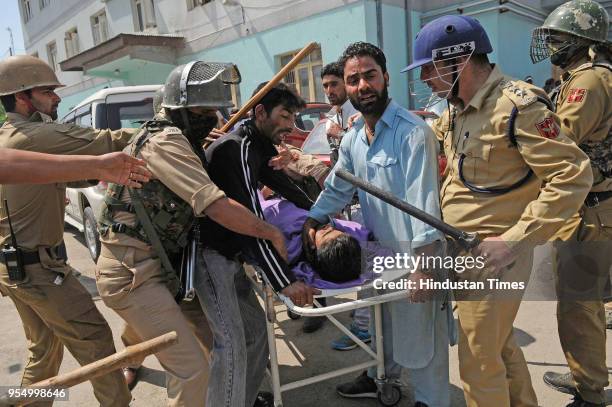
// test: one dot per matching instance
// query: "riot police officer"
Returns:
(508, 164)
(574, 37)
(54, 307)
(143, 234)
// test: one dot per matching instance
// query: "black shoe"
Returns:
(561, 382)
(579, 402)
(130, 375)
(264, 399)
(312, 324)
(420, 404)
(362, 387)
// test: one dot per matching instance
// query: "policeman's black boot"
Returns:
(264, 399)
(561, 382)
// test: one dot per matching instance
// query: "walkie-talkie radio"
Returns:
(11, 253)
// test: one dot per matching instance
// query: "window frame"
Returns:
(71, 42)
(143, 15)
(96, 27)
(193, 4)
(310, 66)
(26, 9)
(53, 63)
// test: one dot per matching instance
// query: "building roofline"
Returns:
(124, 44)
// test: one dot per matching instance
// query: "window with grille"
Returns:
(52, 55)
(71, 41)
(26, 10)
(99, 27)
(305, 78)
(191, 4)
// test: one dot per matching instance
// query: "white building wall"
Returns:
(198, 25)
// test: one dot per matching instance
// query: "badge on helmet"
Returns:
(440, 42)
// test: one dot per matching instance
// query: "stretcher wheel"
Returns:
(391, 399)
(293, 315)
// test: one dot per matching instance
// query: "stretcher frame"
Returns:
(389, 394)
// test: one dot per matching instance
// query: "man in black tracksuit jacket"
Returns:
(237, 163)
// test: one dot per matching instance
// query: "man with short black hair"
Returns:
(237, 163)
(337, 247)
(332, 78)
(394, 149)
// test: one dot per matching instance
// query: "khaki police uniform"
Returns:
(584, 106)
(56, 310)
(492, 366)
(132, 282)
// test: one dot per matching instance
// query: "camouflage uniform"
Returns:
(583, 104)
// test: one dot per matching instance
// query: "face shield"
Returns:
(200, 84)
(559, 47)
(441, 76)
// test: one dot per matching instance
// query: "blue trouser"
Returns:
(240, 348)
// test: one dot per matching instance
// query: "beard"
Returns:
(377, 107)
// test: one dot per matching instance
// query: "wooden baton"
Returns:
(100, 367)
(273, 82)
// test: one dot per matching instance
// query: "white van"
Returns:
(111, 108)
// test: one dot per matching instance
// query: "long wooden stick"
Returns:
(129, 355)
(273, 82)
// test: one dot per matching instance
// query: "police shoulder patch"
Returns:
(520, 95)
(548, 128)
(576, 95)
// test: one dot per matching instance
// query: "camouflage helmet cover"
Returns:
(571, 27)
(584, 18)
(23, 72)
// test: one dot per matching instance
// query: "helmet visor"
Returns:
(442, 74)
(546, 42)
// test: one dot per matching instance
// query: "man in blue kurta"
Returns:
(395, 150)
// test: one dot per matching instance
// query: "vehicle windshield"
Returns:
(308, 118)
(316, 142)
(129, 114)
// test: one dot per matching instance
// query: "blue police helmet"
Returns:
(445, 32)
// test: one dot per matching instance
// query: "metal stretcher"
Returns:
(389, 394)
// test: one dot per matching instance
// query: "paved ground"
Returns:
(300, 354)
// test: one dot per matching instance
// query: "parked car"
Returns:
(305, 121)
(112, 108)
(316, 143)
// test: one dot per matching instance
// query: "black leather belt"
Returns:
(594, 198)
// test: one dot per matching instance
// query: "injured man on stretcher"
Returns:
(339, 245)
